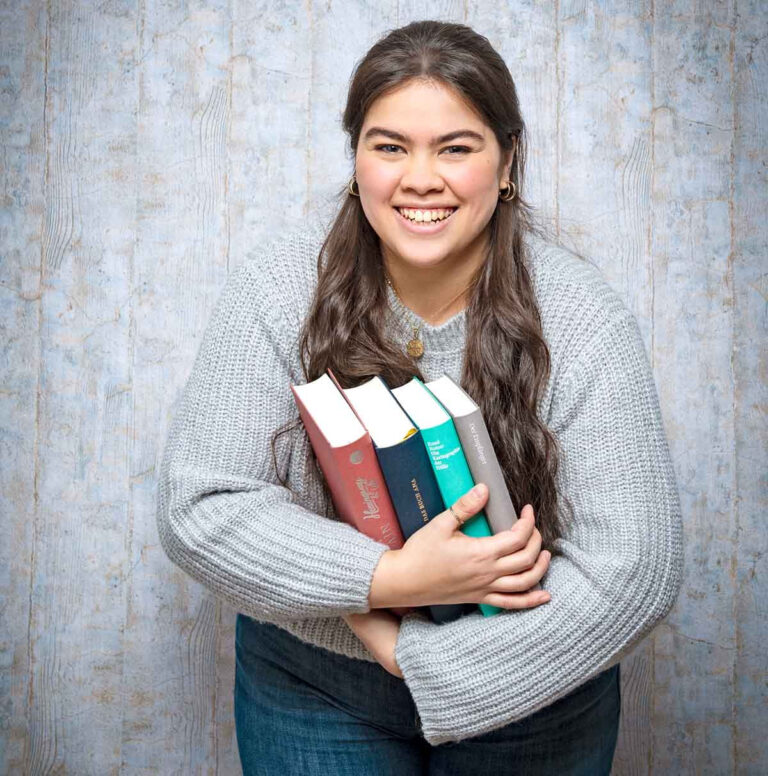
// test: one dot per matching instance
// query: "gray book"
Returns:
(478, 449)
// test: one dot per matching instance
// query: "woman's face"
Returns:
(422, 147)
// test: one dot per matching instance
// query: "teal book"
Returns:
(446, 455)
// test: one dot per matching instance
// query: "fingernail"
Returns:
(478, 490)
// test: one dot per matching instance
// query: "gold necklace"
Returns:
(415, 347)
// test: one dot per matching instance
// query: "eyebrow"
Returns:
(390, 133)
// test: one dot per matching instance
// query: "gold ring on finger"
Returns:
(458, 519)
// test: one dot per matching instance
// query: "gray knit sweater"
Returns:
(274, 555)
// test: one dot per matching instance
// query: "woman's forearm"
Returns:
(378, 630)
(389, 585)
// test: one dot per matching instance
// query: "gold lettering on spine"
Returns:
(369, 493)
(419, 500)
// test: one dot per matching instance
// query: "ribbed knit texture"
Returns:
(224, 518)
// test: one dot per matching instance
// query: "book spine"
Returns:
(416, 498)
(356, 483)
(484, 466)
(454, 479)
(411, 483)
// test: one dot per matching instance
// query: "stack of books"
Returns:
(395, 458)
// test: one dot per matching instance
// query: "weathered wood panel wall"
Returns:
(148, 145)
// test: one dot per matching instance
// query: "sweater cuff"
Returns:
(422, 675)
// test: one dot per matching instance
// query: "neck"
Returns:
(435, 294)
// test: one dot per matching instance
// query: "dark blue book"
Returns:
(406, 467)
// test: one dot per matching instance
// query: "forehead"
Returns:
(422, 110)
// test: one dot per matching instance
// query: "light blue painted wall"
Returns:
(146, 146)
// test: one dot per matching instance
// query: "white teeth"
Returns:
(425, 215)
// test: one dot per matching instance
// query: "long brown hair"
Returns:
(506, 359)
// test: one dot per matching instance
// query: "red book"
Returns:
(348, 461)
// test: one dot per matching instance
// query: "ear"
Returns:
(507, 158)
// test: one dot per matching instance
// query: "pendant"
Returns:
(415, 348)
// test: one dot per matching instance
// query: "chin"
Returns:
(422, 262)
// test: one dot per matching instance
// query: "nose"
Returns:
(421, 174)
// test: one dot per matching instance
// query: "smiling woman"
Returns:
(424, 175)
(432, 265)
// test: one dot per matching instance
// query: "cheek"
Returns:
(377, 180)
(476, 181)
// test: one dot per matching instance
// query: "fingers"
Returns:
(469, 504)
(519, 560)
(512, 540)
(519, 583)
(514, 550)
(518, 600)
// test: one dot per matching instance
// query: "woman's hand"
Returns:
(378, 630)
(440, 565)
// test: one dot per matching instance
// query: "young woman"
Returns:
(432, 265)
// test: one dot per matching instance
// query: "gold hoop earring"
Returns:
(509, 189)
(350, 189)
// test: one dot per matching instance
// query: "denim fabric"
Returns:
(300, 709)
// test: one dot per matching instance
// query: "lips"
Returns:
(416, 214)
(424, 227)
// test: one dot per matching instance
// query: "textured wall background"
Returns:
(148, 144)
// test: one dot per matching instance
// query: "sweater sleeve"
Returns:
(222, 515)
(618, 575)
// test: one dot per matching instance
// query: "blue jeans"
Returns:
(300, 709)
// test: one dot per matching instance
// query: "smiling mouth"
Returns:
(426, 216)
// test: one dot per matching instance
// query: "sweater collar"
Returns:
(447, 337)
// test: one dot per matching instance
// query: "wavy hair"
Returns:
(506, 359)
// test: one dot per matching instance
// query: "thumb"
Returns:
(466, 507)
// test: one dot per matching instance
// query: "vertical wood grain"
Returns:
(177, 653)
(693, 346)
(749, 278)
(604, 139)
(633, 748)
(83, 516)
(271, 75)
(22, 84)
